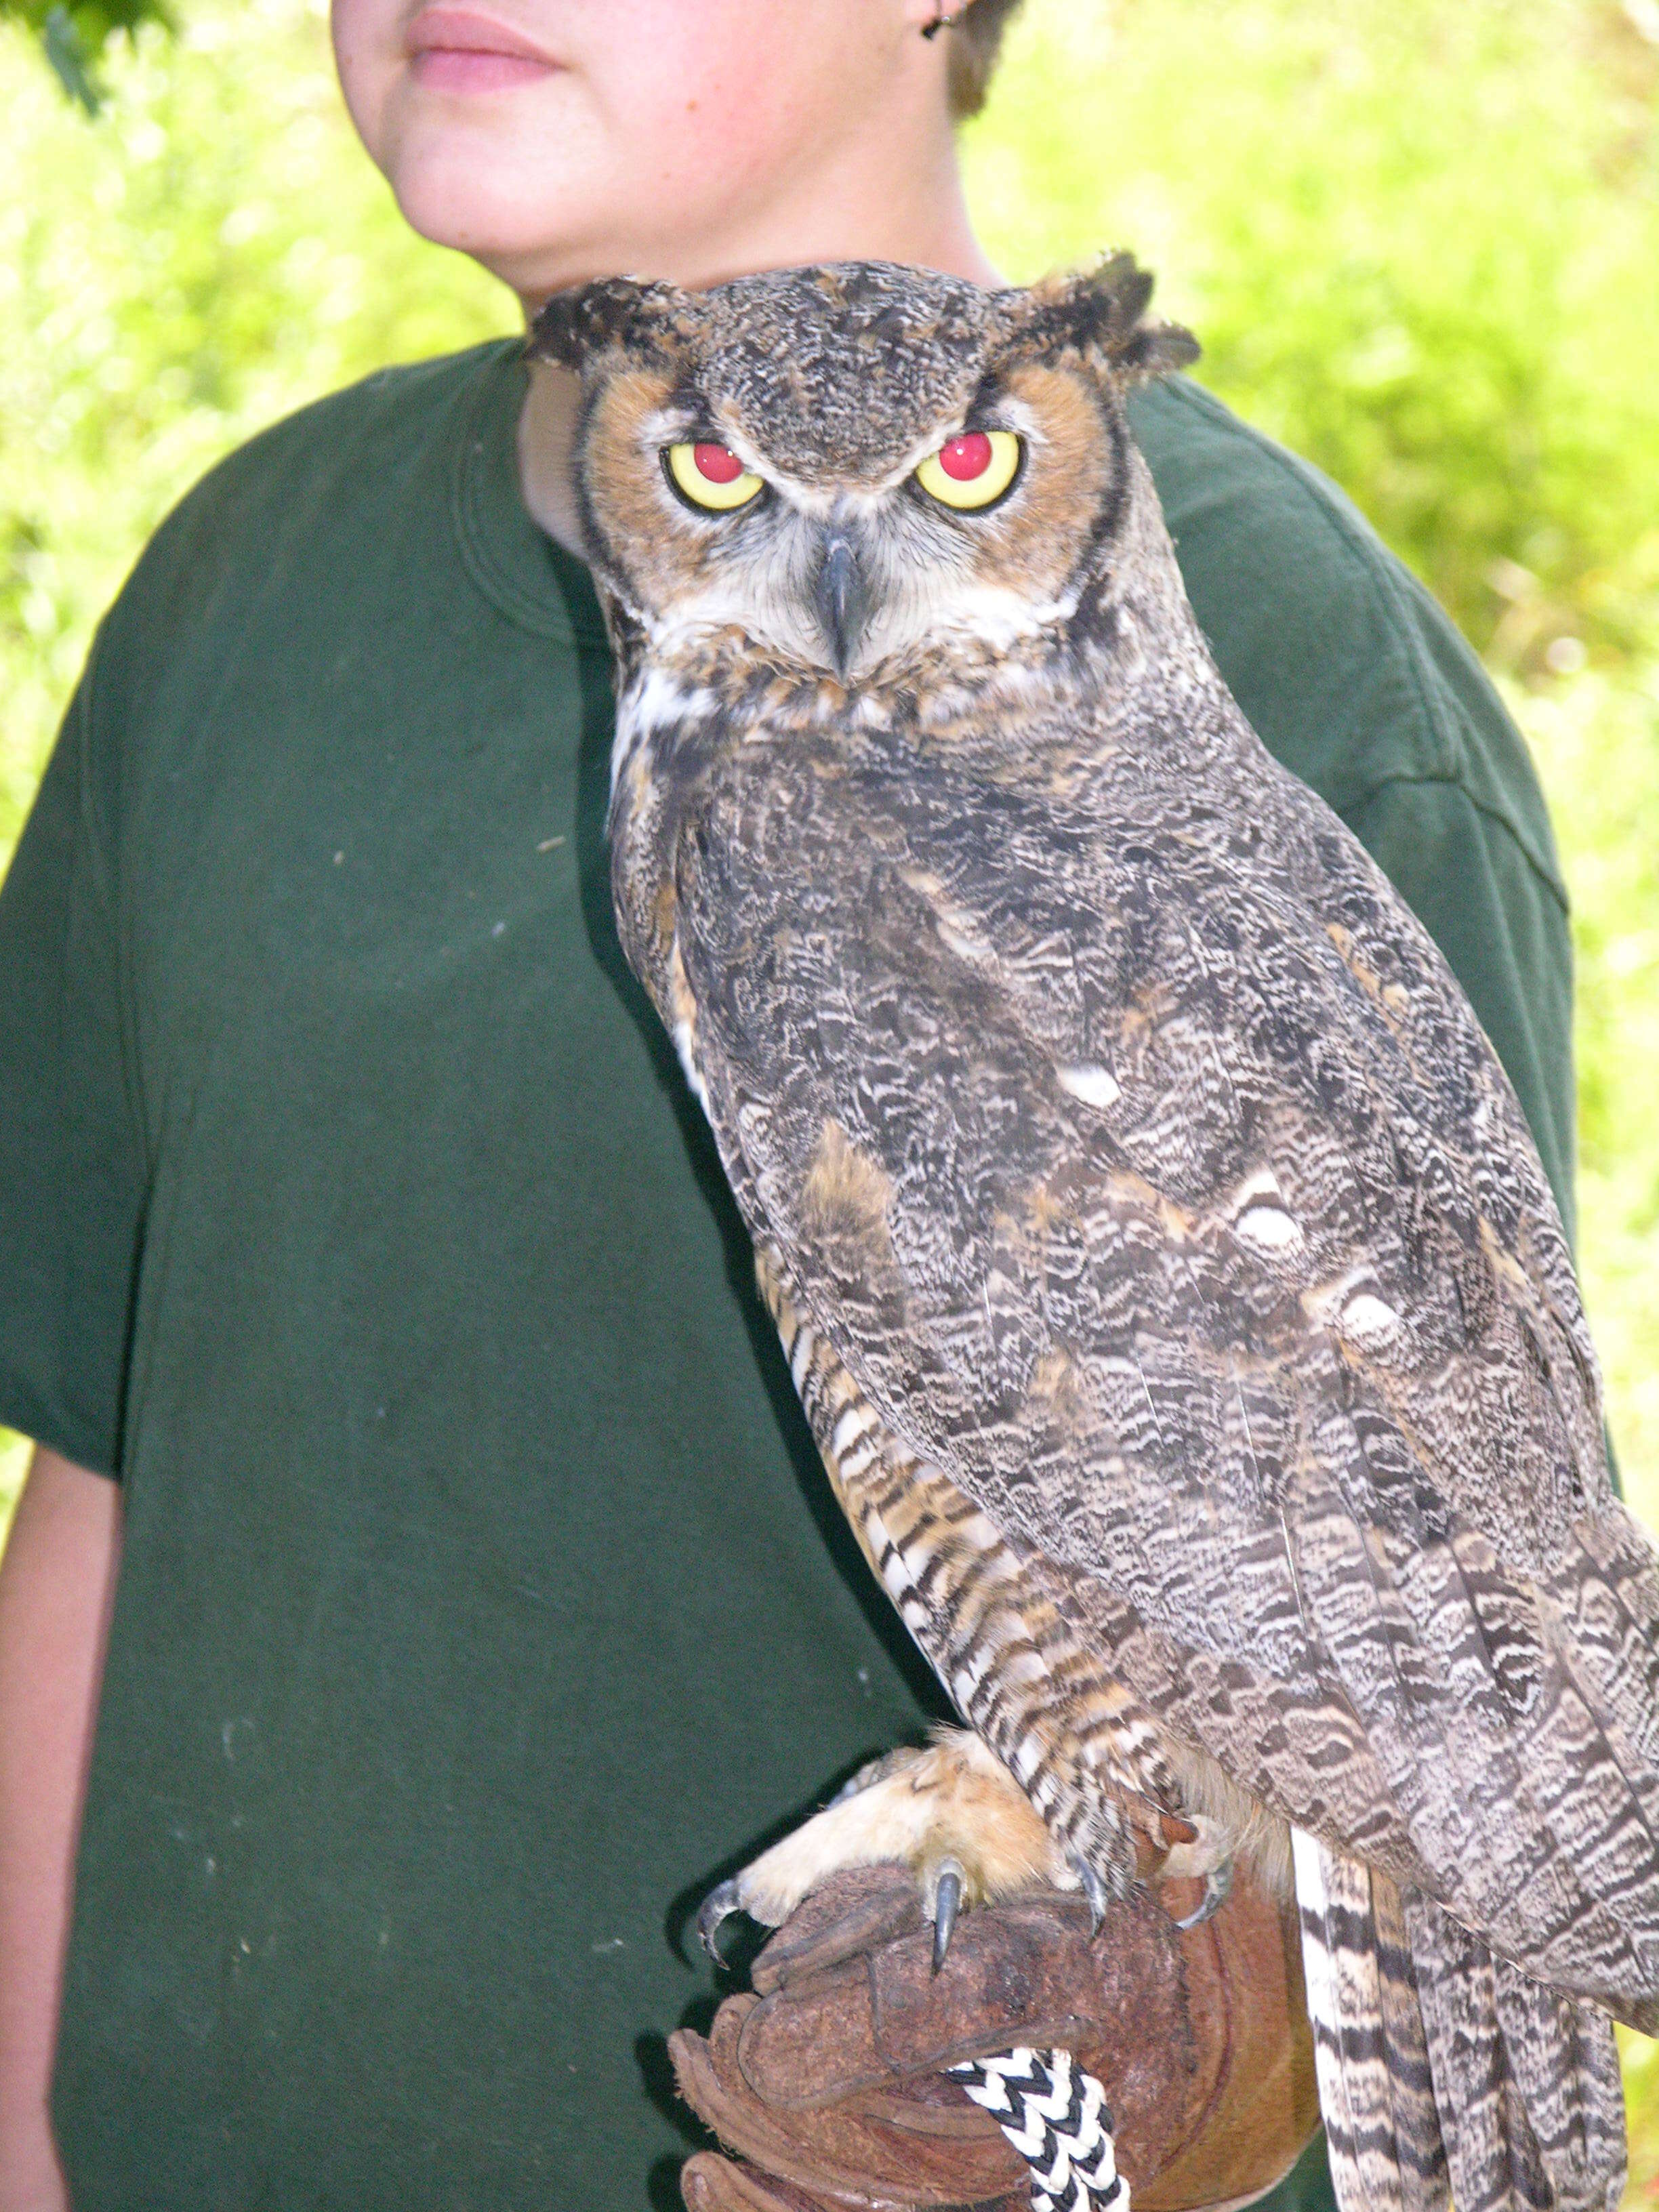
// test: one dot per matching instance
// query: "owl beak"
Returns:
(841, 592)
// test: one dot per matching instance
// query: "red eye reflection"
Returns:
(719, 463)
(964, 458)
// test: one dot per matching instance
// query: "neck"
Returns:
(876, 179)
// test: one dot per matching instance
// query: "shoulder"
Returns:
(1349, 672)
(395, 408)
(320, 519)
(330, 470)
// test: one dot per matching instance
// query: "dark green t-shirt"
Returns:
(482, 1599)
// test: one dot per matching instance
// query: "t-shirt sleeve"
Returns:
(71, 1164)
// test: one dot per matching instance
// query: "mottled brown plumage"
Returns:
(1161, 1250)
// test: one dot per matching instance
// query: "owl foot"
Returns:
(951, 1813)
(1092, 1883)
(1208, 1854)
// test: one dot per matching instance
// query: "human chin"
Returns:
(514, 188)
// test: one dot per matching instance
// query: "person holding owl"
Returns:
(425, 1574)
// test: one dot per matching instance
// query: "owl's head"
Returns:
(855, 466)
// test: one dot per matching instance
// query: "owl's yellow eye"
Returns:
(711, 476)
(972, 471)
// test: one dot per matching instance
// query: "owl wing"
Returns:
(1153, 1180)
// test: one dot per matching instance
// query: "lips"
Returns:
(459, 50)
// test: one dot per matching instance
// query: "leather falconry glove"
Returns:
(830, 2083)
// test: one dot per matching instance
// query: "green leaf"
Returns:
(73, 32)
(64, 51)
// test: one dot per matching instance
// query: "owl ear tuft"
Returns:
(1099, 312)
(619, 314)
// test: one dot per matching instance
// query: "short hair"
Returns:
(974, 41)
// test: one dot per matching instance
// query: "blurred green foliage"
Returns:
(1419, 240)
(92, 21)
(73, 32)
(1419, 243)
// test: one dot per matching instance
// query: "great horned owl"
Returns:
(1160, 1253)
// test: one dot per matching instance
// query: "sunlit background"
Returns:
(1419, 239)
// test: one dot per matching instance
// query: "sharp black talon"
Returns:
(718, 1906)
(1217, 1888)
(1094, 1889)
(947, 1903)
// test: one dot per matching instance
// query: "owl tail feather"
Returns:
(1527, 2079)
(1376, 2089)
(1445, 2073)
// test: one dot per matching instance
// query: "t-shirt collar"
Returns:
(514, 563)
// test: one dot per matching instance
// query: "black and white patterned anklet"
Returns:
(1056, 2116)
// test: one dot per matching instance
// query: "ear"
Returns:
(1098, 313)
(651, 321)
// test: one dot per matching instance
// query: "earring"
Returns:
(942, 22)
